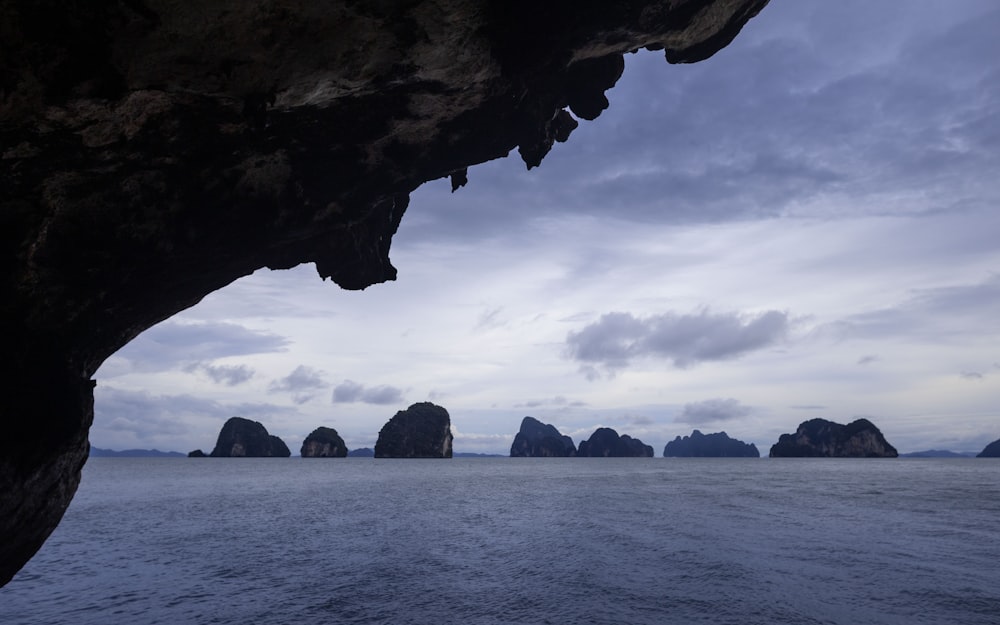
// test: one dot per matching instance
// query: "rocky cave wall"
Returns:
(153, 151)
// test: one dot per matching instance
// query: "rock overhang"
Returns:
(154, 151)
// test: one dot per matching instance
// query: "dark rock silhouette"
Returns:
(197, 453)
(363, 452)
(819, 438)
(717, 445)
(606, 443)
(243, 438)
(323, 443)
(537, 439)
(421, 431)
(144, 169)
(990, 451)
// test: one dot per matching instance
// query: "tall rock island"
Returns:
(819, 438)
(421, 431)
(717, 445)
(537, 439)
(606, 443)
(323, 443)
(243, 438)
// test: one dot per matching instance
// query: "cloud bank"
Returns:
(229, 375)
(713, 411)
(348, 392)
(617, 338)
(300, 383)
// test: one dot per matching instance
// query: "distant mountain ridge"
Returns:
(938, 453)
(97, 452)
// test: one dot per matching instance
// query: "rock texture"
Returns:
(153, 151)
(717, 445)
(197, 453)
(606, 443)
(421, 431)
(323, 443)
(537, 439)
(990, 451)
(819, 438)
(243, 438)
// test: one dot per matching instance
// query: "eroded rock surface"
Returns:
(715, 445)
(819, 438)
(607, 443)
(153, 151)
(243, 438)
(542, 440)
(421, 431)
(323, 442)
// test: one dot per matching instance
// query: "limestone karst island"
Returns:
(424, 431)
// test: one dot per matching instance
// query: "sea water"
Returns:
(534, 541)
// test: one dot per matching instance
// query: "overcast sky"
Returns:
(805, 225)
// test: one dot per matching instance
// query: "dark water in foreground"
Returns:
(477, 541)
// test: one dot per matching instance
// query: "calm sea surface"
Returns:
(470, 541)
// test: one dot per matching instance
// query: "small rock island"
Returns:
(243, 438)
(819, 438)
(421, 431)
(606, 443)
(990, 451)
(541, 440)
(716, 445)
(323, 443)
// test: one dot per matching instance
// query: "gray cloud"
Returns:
(867, 360)
(972, 375)
(637, 420)
(617, 338)
(490, 319)
(712, 411)
(349, 391)
(557, 401)
(128, 418)
(112, 402)
(299, 383)
(929, 313)
(230, 375)
(302, 378)
(807, 407)
(169, 344)
(793, 110)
